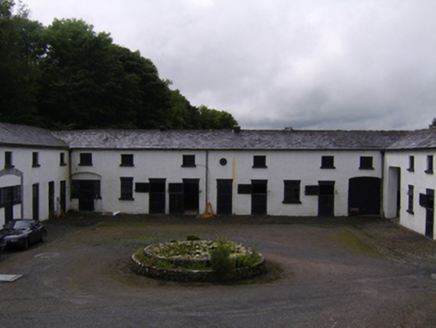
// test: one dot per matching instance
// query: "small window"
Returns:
(223, 162)
(8, 159)
(429, 164)
(126, 160)
(259, 162)
(188, 161)
(62, 161)
(126, 189)
(292, 192)
(366, 163)
(327, 162)
(410, 199)
(85, 159)
(35, 159)
(411, 164)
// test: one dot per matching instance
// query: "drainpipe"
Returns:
(207, 178)
(382, 183)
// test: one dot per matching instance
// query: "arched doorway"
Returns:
(364, 196)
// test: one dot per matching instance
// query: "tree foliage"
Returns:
(67, 76)
(433, 124)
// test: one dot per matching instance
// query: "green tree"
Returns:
(20, 48)
(433, 124)
(214, 119)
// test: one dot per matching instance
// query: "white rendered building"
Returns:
(240, 172)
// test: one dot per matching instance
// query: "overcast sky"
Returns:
(309, 64)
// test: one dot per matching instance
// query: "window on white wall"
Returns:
(188, 161)
(366, 163)
(327, 162)
(410, 196)
(126, 189)
(8, 159)
(35, 159)
(259, 162)
(292, 192)
(85, 159)
(429, 164)
(411, 164)
(126, 160)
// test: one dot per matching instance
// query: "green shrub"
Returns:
(220, 261)
(192, 236)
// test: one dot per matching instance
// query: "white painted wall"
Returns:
(419, 179)
(281, 165)
(49, 170)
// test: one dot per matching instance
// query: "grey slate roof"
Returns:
(420, 139)
(22, 135)
(226, 139)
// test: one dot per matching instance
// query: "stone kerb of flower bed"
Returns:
(198, 260)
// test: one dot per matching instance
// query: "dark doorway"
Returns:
(8, 204)
(63, 199)
(86, 191)
(364, 196)
(429, 215)
(224, 196)
(190, 195)
(326, 198)
(157, 196)
(51, 200)
(259, 197)
(35, 201)
(176, 198)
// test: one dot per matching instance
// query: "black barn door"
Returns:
(224, 196)
(51, 200)
(429, 216)
(326, 198)
(157, 196)
(364, 196)
(191, 192)
(259, 197)
(176, 198)
(35, 202)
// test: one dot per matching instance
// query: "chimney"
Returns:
(162, 128)
(236, 129)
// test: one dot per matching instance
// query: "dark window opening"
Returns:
(327, 162)
(126, 189)
(292, 192)
(366, 163)
(85, 159)
(411, 164)
(259, 162)
(62, 161)
(429, 164)
(35, 159)
(142, 187)
(311, 190)
(410, 199)
(223, 161)
(127, 160)
(8, 159)
(188, 161)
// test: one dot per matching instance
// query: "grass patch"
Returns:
(350, 240)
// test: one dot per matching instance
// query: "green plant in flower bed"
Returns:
(220, 255)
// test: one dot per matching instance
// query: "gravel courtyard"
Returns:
(323, 272)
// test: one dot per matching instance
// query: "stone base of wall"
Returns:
(197, 275)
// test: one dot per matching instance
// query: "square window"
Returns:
(429, 164)
(188, 161)
(126, 189)
(292, 192)
(8, 159)
(259, 162)
(126, 160)
(35, 159)
(411, 164)
(327, 162)
(85, 159)
(366, 163)
(62, 159)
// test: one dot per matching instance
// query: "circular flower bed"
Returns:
(198, 260)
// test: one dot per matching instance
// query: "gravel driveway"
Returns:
(338, 272)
